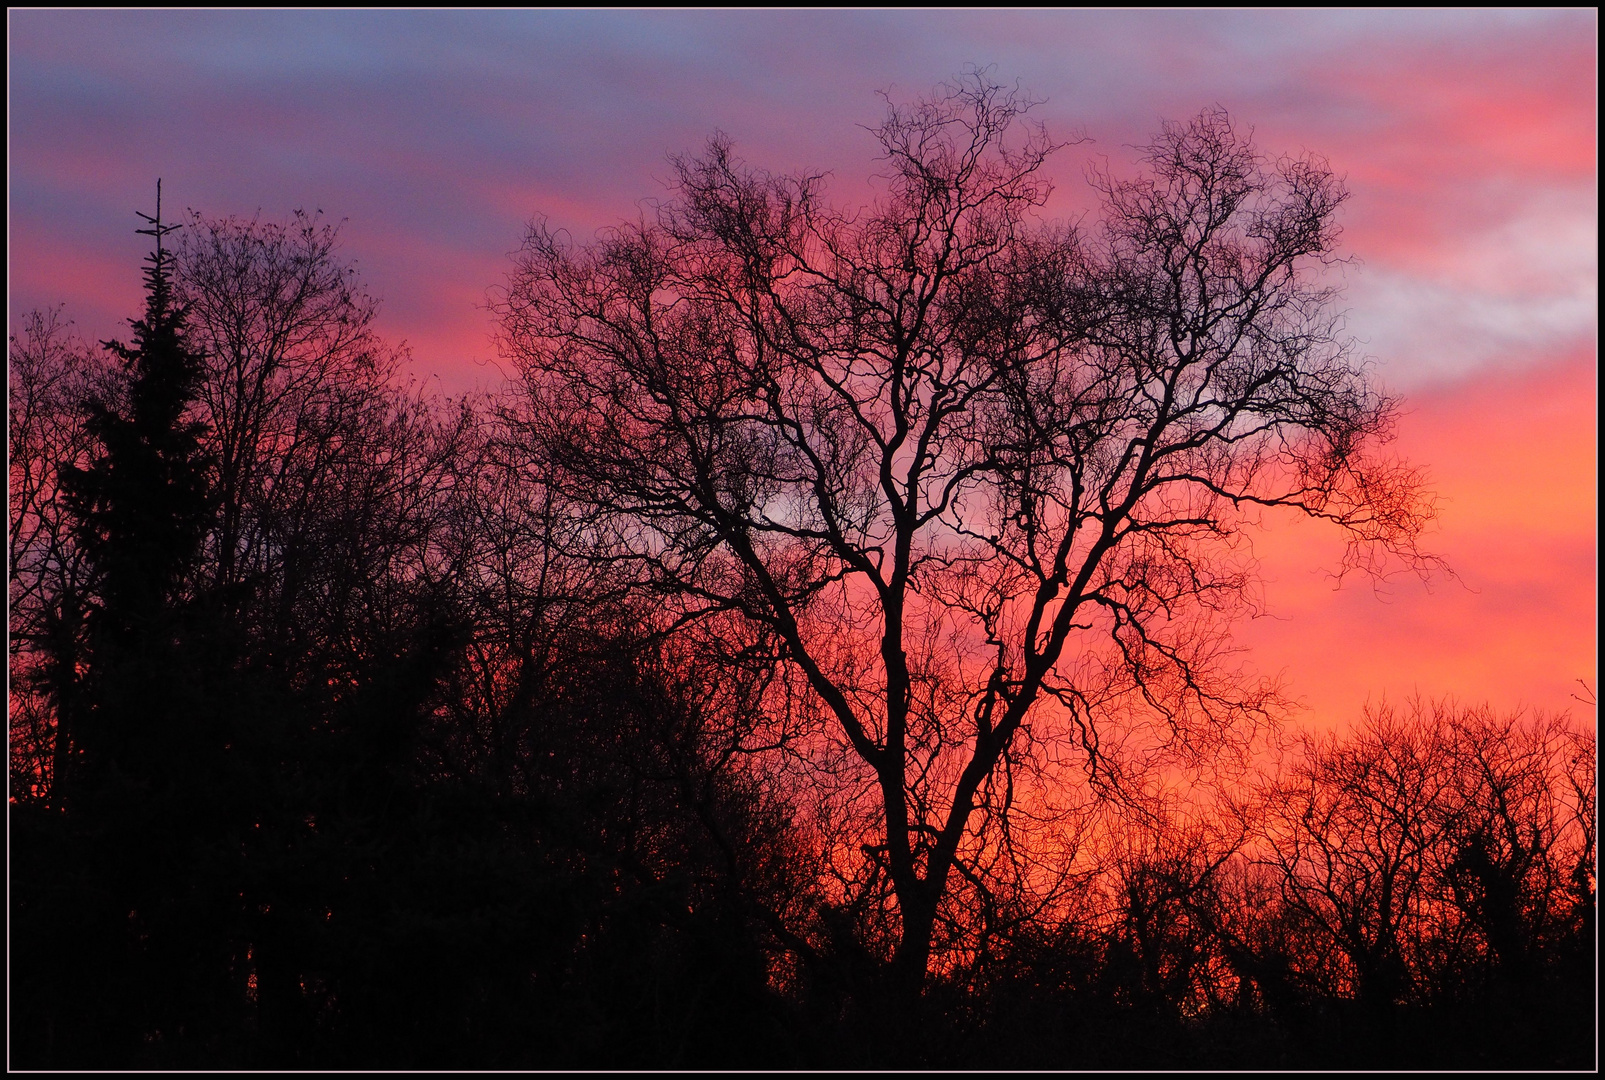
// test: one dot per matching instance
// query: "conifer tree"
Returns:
(129, 887)
(140, 512)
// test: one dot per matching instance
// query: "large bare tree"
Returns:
(987, 478)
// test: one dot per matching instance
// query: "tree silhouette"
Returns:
(1420, 861)
(1358, 821)
(139, 511)
(984, 478)
(53, 376)
(292, 358)
(819, 659)
(137, 768)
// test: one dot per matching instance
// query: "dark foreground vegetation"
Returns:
(816, 660)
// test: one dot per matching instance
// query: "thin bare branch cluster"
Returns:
(1430, 844)
(52, 377)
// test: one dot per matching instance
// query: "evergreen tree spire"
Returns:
(140, 512)
(141, 506)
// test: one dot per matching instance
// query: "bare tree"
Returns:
(535, 603)
(332, 472)
(1428, 851)
(987, 479)
(1581, 798)
(1169, 872)
(1504, 863)
(292, 358)
(1354, 832)
(52, 377)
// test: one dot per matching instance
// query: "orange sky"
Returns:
(1513, 460)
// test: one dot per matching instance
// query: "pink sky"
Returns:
(1468, 140)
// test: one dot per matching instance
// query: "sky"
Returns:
(1468, 141)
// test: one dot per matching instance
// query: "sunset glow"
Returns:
(1467, 140)
(807, 540)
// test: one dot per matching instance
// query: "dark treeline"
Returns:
(352, 725)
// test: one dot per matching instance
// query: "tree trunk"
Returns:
(914, 950)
